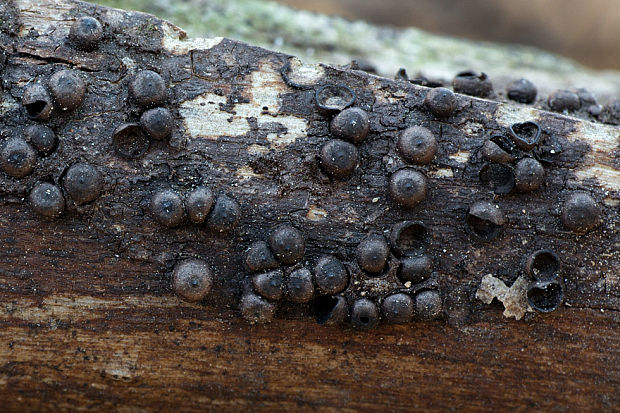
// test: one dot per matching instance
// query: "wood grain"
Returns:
(88, 320)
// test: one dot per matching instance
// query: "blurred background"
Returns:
(585, 30)
(557, 44)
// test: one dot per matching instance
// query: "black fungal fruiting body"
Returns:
(580, 213)
(224, 215)
(545, 295)
(407, 238)
(68, 90)
(37, 101)
(498, 149)
(83, 183)
(407, 187)
(130, 141)
(47, 200)
(417, 145)
(542, 264)
(441, 102)
(428, 305)
(525, 135)
(415, 269)
(260, 258)
(334, 98)
(17, 158)
(562, 100)
(330, 275)
(522, 91)
(529, 175)
(485, 221)
(199, 203)
(372, 254)
(288, 244)
(192, 279)
(299, 287)
(351, 124)
(473, 84)
(148, 88)
(398, 308)
(86, 33)
(500, 177)
(42, 138)
(338, 158)
(364, 314)
(269, 284)
(330, 310)
(157, 122)
(167, 208)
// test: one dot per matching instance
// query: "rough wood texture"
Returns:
(88, 317)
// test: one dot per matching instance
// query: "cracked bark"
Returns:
(88, 317)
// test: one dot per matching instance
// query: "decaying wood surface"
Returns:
(88, 320)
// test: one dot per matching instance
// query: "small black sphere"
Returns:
(47, 200)
(473, 84)
(580, 213)
(68, 89)
(398, 308)
(192, 279)
(522, 91)
(417, 145)
(415, 269)
(17, 158)
(299, 287)
(339, 158)
(372, 254)
(330, 275)
(224, 215)
(351, 124)
(157, 123)
(441, 102)
(260, 258)
(199, 203)
(407, 187)
(562, 100)
(288, 244)
(86, 33)
(364, 314)
(269, 284)
(42, 138)
(148, 88)
(529, 175)
(167, 208)
(83, 183)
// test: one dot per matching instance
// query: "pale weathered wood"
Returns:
(88, 319)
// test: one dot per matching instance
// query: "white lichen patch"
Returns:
(245, 172)
(461, 156)
(174, 41)
(255, 149)
(604, 140)
(513, 298)
(204, 118)
(304, 74)
(441, 173)
(508, 114)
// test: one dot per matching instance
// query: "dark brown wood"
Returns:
(88, 318)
